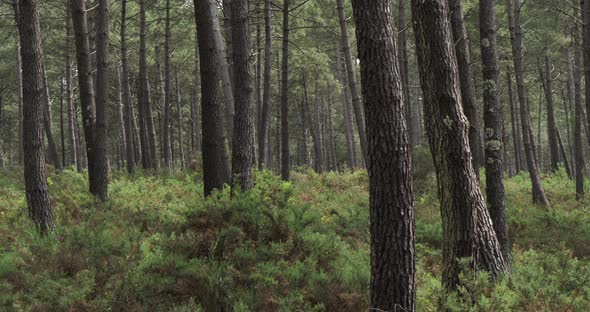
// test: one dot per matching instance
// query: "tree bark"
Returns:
(179, 126)
(216, 170)
(263, 136)
(33, 106)
(405, 72)
(314, 118)
(539, 196)
(516, 136)
(586, 48)
(72, 142)
(566, 162)
(126, 92)
(466, 77)
(285, 161)
(78, 8)
(467, 226)
(19, 84)
(578, 110)
(551, 126)
(48, 124)
(493, 124)
(393, 263)
(356, 99)
(348, 134)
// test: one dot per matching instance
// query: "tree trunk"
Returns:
(48, 124)
(393, 256)
(102, 99)
(179, 126)
(356, 99)
(566, 162)
(302, 145)
(331, 136)
(19, 84)
(348, 134)
(33, 106)
(493, 124)
(226, 73)
(216, 170)
(405, 72)
(285, 161)
(127, 103)
(467, 226)
(167, 140)
(515, 126)
(72, 142)
(149, 145)
(516, 41)
(466, 77)
(263, 136)
(61, 124)
(551, 126)
(78, 8)
(314, 118)
(122, 146)
(586, 47)
(578, 110)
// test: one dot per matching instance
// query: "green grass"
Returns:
(158, 245)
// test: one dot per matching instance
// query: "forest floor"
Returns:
(158, 245)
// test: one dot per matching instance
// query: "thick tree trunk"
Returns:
(467, 226)
(393, 256)
(493, 124)
(285, 161)
(102, 99)
(85, 86)
(466, 77)
(33, 107)
(348, 134)
(149, 148)
(263, 136)
(551, 126)
(216, 170)
(243, 136)
(356, 98)
(539, 196)
(515, 125)
(126, 92)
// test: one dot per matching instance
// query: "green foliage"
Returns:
(158, 245)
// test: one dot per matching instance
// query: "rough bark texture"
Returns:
(216, 171)
(356, 98)
(126, 92)
(393, 263)
(466, 77)
(102, 99)
(263, 137)
(493, 124)
(516, 41)
(467, 226)
(33, 103)
(85, 85)
(285, 161)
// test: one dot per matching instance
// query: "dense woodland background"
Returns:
(309, 155)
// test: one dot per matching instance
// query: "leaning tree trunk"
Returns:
(393, 256)
(285, 161)
(539, 196)
(263, 136)
(466, 77)
(33, 106)
(102, 99)
(127, 105)
(85, 86)
(216, 170)
(356, 99)
(493, 124)
(467, 226)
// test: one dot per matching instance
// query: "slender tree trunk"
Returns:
(493, 122)
(539, 196)
(467, 226)
(19, 84)
(586, 48)
(348, 134)
(224, 53)
(102, 99)
(515, 126)
(578, 110)
(122, 146)
(126, 92)
(566, 162)
(166, 140)
(466, 77)
(61, 124)
(33, 106)
(69, 100)
(551, 126)
(263, 136)
(48, 124)
(356, 99)
(179, 126)
(393, 258)
(285, 161)
(149, 144)
(405, 71)
(196, 122)
(258, 123)
(314, 118)
(302, 154)
(216, 170)
(331, 136)
(78, 8)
